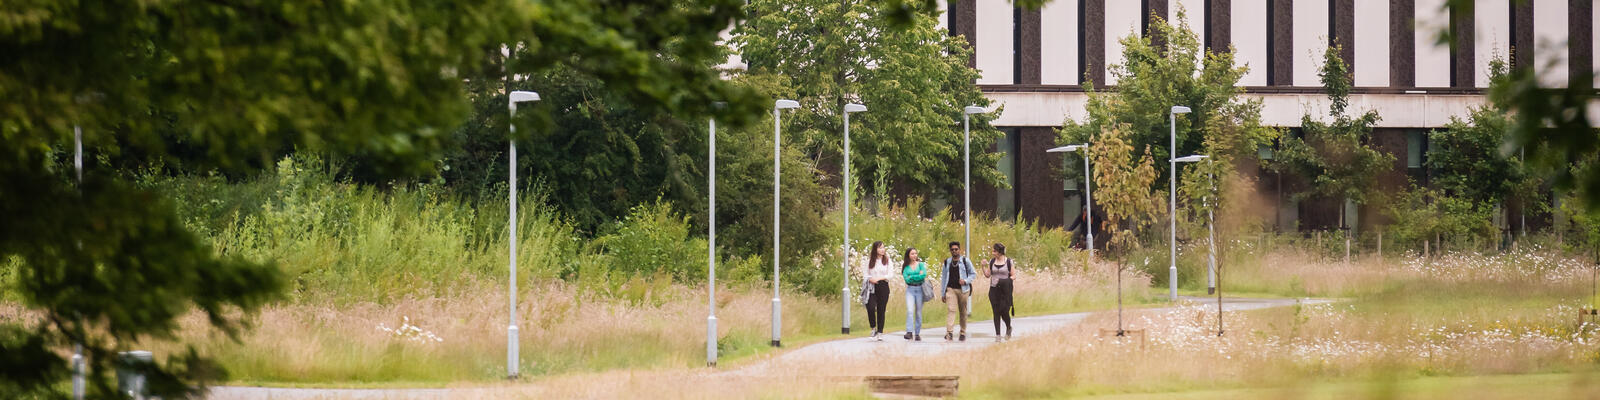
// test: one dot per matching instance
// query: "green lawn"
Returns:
(1536, 386)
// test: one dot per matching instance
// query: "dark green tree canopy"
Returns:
(913, 78)
(1466, 160)
(232, 84)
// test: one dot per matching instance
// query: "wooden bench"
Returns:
(927, 386)
(1125, 333)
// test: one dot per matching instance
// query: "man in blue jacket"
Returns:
(959, 274)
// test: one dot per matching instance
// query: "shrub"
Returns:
(654, 239)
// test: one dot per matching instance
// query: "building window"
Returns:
(1016, 45)
(1416, 145)
(1005, 197)
(1417, 148)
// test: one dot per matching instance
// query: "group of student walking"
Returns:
(956, 272)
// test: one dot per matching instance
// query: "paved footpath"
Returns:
(979, 335)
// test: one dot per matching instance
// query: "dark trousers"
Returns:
(1000, 301)
(876, 304)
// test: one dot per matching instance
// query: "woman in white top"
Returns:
(879, 270)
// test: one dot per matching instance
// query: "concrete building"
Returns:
(1033, 62)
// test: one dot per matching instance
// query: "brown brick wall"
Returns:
(1402, 49)
(1219, 25)
(1038, 177)
(1094, 42)
(1580, 50)
(1461, 49)
(1030, 47)
(1280, 69)
(1342, 30)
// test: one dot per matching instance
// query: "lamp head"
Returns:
(783, 104)
(523, 97)
(853, 107)
(1068, 148)
(973, 110)
(1193, 158)
(1180, 110)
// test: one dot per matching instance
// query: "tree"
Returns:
(1151, 79)
(235, 83)
(1552, 129)
(1336, 156)
(1123, 179)
(914, 78)
(1468, 164)
(1422, 214)
(744, 191)
(1224, 125)
(601, 156)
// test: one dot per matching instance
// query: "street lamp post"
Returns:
(777, 158)
(1088, 192)
(78, 367)
(711, 247)
(1172, 192)
(1211, 232)
(844, 325)
(966, 173)
(1173, 209)
(966, 179)
(511, 330)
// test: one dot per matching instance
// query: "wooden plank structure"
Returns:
(926, 386)
(1125, 333)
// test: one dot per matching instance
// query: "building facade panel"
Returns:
(1121, 20)
(1194, 14)
(1432, 58)
(1310, 38)
(1492, 39)
(1550, 38)
(1401, 70)
(1371, 45)
(1249, 39)
(995, 42)
(1058, 41)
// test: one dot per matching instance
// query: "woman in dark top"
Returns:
(1000, 271)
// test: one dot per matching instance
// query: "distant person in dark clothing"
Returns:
(1080, 230)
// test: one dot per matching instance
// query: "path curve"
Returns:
(980, 334)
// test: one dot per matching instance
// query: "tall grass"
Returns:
(364, 258)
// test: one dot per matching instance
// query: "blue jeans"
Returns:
(914, 309)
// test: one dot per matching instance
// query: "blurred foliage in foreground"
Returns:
(232, 85)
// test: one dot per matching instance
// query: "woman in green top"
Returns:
(914, 271)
